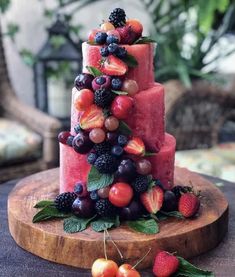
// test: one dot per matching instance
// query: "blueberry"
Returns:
(117, 150)
(77, 129)
(70, 140)
(94, 195)
(121, 52)
(78, 188)
(122, 140)
(104, 52)
(113, 48)
(91, 158)
(112, 39)
(100, 38)
(116, 83)
(100, 80)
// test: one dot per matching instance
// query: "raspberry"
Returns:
(118, 17)
(105, 208)
(64, 201)
(103, 98)
(140, 183)
(106, 164)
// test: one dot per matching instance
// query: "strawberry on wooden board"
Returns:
(135, 146)
(165, 264)
(152, 199)
(114, 66)
(189, 204)
(93, 117)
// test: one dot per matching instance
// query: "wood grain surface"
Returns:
(48, 240)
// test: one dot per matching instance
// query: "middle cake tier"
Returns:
(146, 119)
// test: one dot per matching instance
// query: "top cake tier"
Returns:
(143, 74)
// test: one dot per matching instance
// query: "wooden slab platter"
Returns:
(188, 238)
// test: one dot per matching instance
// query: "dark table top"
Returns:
(15, 261)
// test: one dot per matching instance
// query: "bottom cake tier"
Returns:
(74, 167)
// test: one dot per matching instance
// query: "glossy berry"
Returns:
(118, 17)
(127, 270)
(121, 52)
(113, 48)
(105, 208)
(100, 38)
(83, 80)
(104, 268)
(126, 170)
(69, 141)
(120, 194)
(140, 184)
(121, 106)
(114, 33)
(130, 86)
(114, 66)
(94, 195)
(104, 52)
(102, 148)
(83, 207)
(103, 98)
(77, 129)
(112, 39)
(117, 150)
(107, 26)
(81, 143)
(104, 192)
(97, 135)
(143, 166)
(106, 164)
(165, 264)
(152, 199)
(63, 202)
(91, 158)
(136, 26)
(189, 204)
(63, 136)
(111, 123)
(169, 202)
(91, 35)
(93, 117)
(116, 84)
(122, 140)
(82, 99)
(101, 82)
(111, 137)
(80, 189)
(133, 211)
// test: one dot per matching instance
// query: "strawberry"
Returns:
(189, 204)
(128, 36)
(121, 106)
(93, 117)
(135, 146)
(165, 264)
(152, 199)
(114, 66)
(136, 26)
(83, 99)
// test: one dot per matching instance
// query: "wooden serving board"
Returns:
(188, 238)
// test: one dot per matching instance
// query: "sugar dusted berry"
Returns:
(100, 37)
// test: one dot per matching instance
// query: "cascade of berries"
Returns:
(104, 99)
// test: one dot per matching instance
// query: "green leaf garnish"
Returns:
(147, 226)
(49, 213)
(103, 224)
(144, 40)
(75, 224)
(124, 128)
(44, 203)
(94, 71)
(119, 92)
(130, 60)
(189, 270)
(172, 214)
(96, 180)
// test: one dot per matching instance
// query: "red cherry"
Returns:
(63, 136)
(126, 270)
(104, 268)
(83, 99)
(121, 106)
(120, 194)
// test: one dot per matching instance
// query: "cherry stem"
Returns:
(105, 253)
(118, 250)
(141, 259)
(154, 217)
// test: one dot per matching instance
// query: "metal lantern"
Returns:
(58, 62)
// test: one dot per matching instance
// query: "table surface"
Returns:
(15, 261)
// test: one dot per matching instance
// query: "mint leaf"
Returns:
(119, 92)
(103, 224)
(44, 203)
(94, 71)
(96, 180)
(189, 270)
(75, 224)
(147, 226)
(144, 40)
(49, 213)
(172, 214)
(124, 128)
(149, 154)
(130, 60)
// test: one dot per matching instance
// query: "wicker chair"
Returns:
(195, 116)
(46, 126)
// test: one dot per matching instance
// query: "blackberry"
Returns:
(178, 190)
(118, 17)
(106, 164)
(103, 98)
(104, 208)
(91, 158)
(140, 183)
(102, 148)
(63, 202)
(104, 52)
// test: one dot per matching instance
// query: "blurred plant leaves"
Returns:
(4, 4)
(28, 57)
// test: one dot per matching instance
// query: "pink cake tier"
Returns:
(74, 167)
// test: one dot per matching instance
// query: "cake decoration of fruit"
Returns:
(117, 162)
